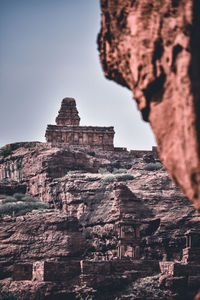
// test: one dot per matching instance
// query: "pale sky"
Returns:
(48, 51)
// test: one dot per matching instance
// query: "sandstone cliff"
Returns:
(152, 48)
(87, 207)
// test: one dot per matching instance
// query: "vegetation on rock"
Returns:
(119, 171)
(87, 297)
(19, 204)
(91, 153)
(124, 177)
(73, 172)
(103, 171)
(109, 178)
(153, 166)
(147, 287)
(5, 151)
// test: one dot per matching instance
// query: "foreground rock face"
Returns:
(151, 47)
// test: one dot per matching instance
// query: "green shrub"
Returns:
(82, 297)
(103, 171)
(109, 178)
(20, 204)
(8, 199)
(119, 171)
(24, 197)
(19, 196)
(148, 288)
(92, 178)
(5, 151)
(72, 172)
(153, 166)
(124, 177)
(91, 153)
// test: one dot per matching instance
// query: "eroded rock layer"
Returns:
(152, 47)
(114, 215)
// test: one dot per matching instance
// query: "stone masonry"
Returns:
(187, 270)
(68, 130)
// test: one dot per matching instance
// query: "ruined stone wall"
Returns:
(90, 270)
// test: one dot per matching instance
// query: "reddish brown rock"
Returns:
(36, 237)
(197, 296)
(152, 47)
(104, 217)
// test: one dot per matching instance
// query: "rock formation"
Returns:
(68, 130)
(103, 232)
(115, 225)
(152, 48)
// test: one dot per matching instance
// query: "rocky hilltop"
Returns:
(116, 227)
(93, 196)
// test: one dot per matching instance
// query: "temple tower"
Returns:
(68, 113)
(67, 130)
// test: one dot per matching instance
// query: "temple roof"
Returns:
(68, 113)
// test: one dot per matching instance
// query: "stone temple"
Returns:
(67, 130)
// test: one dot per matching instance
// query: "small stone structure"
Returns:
(68, 130)
(191, 254)
(129, 239)
(22, 271)
(55, 271)
(190, 257)
(186, 271)
(65, 271)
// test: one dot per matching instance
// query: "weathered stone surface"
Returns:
(12, 187)
(39, 165)
(152, 47)
(56, 271)
(22, 271)
(39, 236)
(144, 205)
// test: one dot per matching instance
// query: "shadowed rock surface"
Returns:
(152, 48)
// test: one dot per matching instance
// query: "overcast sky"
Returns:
(48, 51)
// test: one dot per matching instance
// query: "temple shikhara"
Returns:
(67, 129)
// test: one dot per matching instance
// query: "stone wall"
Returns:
(55, 271)
(95, 137)
(190, 255)
(67, 270)
(22, 271)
